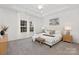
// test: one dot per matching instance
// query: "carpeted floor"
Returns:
(27, 47)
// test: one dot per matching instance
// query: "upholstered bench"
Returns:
(40, 40)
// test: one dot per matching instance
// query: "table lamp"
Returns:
(67, 29)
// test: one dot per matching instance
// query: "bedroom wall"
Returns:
(9, 18)
(12, 18)
(66, 17)
(35, 20)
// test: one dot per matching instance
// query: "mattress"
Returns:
(50, 40)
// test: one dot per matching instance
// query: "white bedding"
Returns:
(48, 39)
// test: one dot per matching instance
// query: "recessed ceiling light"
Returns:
(40, 7)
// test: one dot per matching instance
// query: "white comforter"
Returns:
(48, 39)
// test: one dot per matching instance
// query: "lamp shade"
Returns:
(67, 27)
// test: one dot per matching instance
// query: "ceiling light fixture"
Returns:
(40, 7)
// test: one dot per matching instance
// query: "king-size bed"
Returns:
(50, 40)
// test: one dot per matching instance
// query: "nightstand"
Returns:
(3, 44)
(67, 38)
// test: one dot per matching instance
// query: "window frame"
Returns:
(23, 26)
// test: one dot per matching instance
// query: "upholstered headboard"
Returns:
(53, 30)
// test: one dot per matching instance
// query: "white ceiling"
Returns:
(33, 8)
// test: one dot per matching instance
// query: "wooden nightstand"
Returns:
(3, 44)
(67, 34)
(67, 38)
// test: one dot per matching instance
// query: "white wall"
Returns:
(9, 18)
(35, 21)
(67, 17)
(12, 19)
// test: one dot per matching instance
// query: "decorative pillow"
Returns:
(51, 32)
(46, 31)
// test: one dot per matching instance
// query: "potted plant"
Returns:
(3, 30)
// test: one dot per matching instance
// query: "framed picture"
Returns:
(31, 26)
(54, 21)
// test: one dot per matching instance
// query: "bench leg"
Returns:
(50, 46)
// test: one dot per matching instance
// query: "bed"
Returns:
(49, 40)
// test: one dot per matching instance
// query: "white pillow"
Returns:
(46, 31)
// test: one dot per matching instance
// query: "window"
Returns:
(23, 26)
(31, 26)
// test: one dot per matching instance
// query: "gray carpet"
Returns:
(27, 47)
